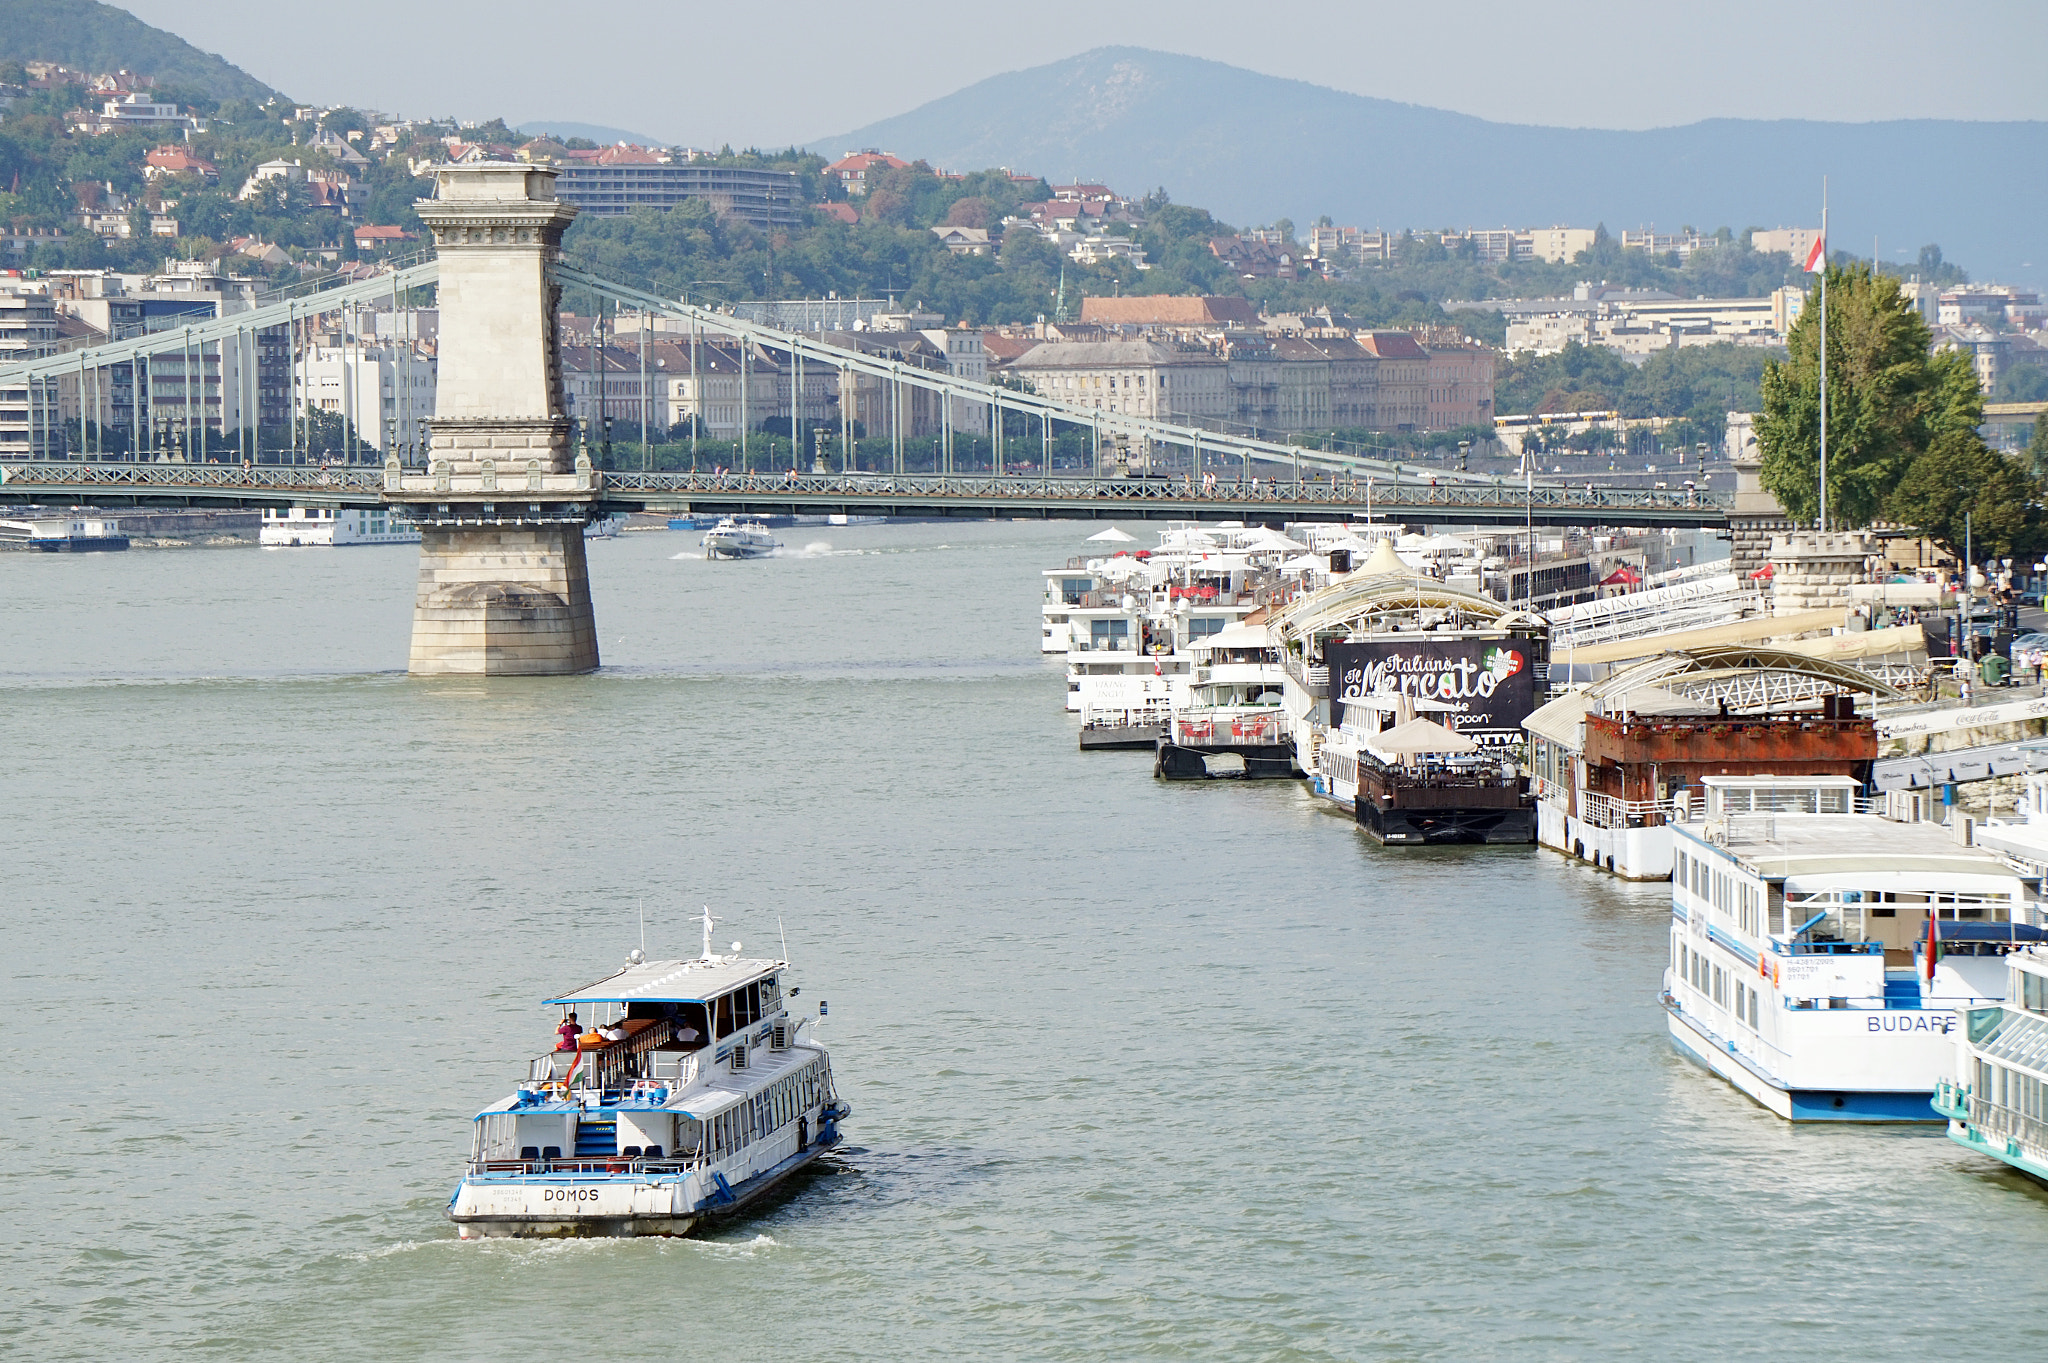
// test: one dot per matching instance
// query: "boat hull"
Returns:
(1398, 826)
(1266, 762)
(541, 1206)
(738, 550)
(1125, 736)
(1693, 1041)
(82, 544)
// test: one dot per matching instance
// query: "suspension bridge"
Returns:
(1209, 474)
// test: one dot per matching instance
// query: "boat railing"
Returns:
(1263, 726)
(1996, 1119)
(1605, 811)
(635, 1166)
(1443, 778)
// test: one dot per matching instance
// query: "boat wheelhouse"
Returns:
(693, 1092)
(1997, 1103)
(1615, 765)
(1819, 955)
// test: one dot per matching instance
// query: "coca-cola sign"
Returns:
(1489, 683)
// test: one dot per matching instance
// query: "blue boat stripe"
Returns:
(1716, 935)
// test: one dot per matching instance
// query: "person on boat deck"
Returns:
(568, 1032)
(612, 1031)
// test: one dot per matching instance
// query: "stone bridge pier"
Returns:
(503, 587)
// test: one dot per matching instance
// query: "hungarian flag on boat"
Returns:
(1933, 944)
(1816, 257)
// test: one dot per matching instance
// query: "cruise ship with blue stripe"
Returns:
(1822, 955)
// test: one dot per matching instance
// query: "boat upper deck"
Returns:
(1853, 847)
(697, 981)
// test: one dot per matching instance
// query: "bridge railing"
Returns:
(359, 482)
(198, 476)
(1339, 491)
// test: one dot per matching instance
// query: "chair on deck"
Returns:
(552, 1152)
(654, 1152)
(631, 1152)
(529, 1153)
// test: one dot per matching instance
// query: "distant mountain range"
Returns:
(1252, 148)
(87, 36)
(596, 132)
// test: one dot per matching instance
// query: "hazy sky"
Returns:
(687, 71)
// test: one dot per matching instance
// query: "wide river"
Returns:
(1138, 1070)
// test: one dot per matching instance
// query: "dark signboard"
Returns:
(1490, 682)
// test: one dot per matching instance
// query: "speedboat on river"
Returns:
(739, 539)
(694, 1092)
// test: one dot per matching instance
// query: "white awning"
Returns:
(1235, 635)
(1420, 736)
(672, 981)
(1110, 536)
(1561, 720)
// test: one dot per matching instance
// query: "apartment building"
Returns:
(1142, 378)
(616, 180)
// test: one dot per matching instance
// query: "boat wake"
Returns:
(750, 1248)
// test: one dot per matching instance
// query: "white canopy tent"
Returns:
(1419, 737)
(1110, 536)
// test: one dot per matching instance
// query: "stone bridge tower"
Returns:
(503, 588)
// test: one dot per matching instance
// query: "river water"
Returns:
(1138, 1070)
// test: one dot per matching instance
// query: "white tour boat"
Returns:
(1800, 967)
(739, 539)
(693, 1094)
(297, 526)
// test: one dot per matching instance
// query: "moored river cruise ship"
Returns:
(1997, 1105)
(692, 1093)
(1819, 956)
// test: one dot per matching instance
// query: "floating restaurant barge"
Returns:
(1367, 657)
(1618, 764)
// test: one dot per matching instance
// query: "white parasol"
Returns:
(1111, 536)
(1420, 736)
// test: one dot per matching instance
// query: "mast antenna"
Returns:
(784, 933)
(643, 927)
(708, 921)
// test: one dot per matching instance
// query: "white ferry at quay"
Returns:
(1820, 957)
(694, 1094)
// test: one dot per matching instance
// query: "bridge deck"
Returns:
(917, 495)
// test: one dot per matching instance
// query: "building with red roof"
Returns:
(857, 171)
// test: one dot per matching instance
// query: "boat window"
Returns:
(725, 1023)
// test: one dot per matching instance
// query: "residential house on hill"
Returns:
(1254, 259)
(857, 171)
(161, 163)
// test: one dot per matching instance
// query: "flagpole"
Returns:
(1823, 354)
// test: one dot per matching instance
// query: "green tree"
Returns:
(2037, 448)
(1887, 399)
(1959, 474)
